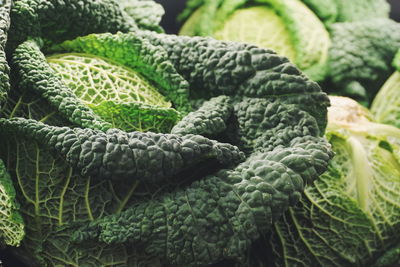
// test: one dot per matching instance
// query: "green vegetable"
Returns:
(59, 20)
(4, 69)
(331, 11)
(347, 46)
(82, 183)
(361, 55)
(217, 217)
(270, 128)
(11, 224)
(286, 26)
(214, 68)
(210, 119)
(119, 155)
(94, 195)
(350, 215)
(147, 14)
(136, 113)
(101, 93)
(34, 73)
(386, 104)
(117, 94)
(137, 53)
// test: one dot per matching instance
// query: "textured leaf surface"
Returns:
(59, 20)
(358, 10)
(139, 54)
(286, 26)
(117, 94)
(146, 13)
(360, 56)
(217, 217)
(350, 215)
(55, 199)
(12, 227)
(260, 26)
(243, 70)
(5, 7)
(386, 104)
(277, 115)
(35, 74)
(118, 155)
(276, 126)
(210, 119)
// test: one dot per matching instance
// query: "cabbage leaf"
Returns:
(350, 216)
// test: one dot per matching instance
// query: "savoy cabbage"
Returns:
(99, 178)
(346, 46)
(350, 215)
(386, 104)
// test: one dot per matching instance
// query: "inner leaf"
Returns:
(260, 26)
(116, 93)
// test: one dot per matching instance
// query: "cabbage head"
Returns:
(351, 215)
(288, 27)
(386, 105)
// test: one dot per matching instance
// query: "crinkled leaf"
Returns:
(331, 11)
(117, 94)
(288, 27)
(4, 68)
(360, 56)
(386, 104)
(351, 214)
(215, 217)
(146, 13)
(12, 227)
(58, 20)
(139, 54)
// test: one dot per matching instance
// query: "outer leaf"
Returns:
(117, 94)
(139, 54)
(301, 36)
(4, 69)
(281, 138)
(56, 199)
(360, 56)
(35, 74)
(146, 13)
(59, 20)
(349, 216)
(217, 217)
(119, 155)
(53, 198)
(214, 67)
(210, 119)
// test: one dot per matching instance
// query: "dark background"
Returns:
(172, 9)
(395, 14)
